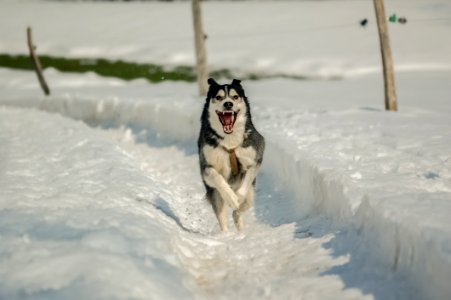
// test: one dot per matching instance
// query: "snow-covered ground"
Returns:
(304, 38)
(353, 202)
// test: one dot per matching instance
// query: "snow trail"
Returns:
(264, 262)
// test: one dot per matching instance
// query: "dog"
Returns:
(230, 151)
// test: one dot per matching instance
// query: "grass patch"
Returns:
(103, 67)
(122, 69)
(119, 69)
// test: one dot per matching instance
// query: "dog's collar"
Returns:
(233, 161)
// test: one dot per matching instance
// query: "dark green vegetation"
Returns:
(119, 69)
(122, 69)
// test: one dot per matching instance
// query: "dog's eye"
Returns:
(235, 97)
(219, 98)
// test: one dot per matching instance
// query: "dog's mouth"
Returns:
(227, 119)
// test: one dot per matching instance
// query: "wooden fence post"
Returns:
(36, 63)
(201, 54)
(387, 61)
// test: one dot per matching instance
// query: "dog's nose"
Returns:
(228, 105)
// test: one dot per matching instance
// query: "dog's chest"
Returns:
(219, 159)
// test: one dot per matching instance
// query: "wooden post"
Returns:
(201, 54)
(387, 61)
(36, 63)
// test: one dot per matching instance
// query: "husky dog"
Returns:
(230, 151)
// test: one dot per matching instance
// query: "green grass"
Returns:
(121, 69)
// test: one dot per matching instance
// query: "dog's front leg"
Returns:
(216, 181)
(248, 179)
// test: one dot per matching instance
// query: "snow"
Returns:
(75, 222)
(101, 194)
(331, 197)
(304, 38)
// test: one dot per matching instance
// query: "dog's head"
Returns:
(226, 106)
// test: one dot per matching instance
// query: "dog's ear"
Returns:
(236, 82)
(211, 81)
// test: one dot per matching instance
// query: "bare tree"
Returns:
(387, 61)
(201, 54)
(36, 63)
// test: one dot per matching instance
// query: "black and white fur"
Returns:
(216, 139)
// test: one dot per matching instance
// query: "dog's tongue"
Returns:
(227, 118)
(227, 121)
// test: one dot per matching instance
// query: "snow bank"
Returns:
(149, 118)
(74, 225)
(396, 200)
